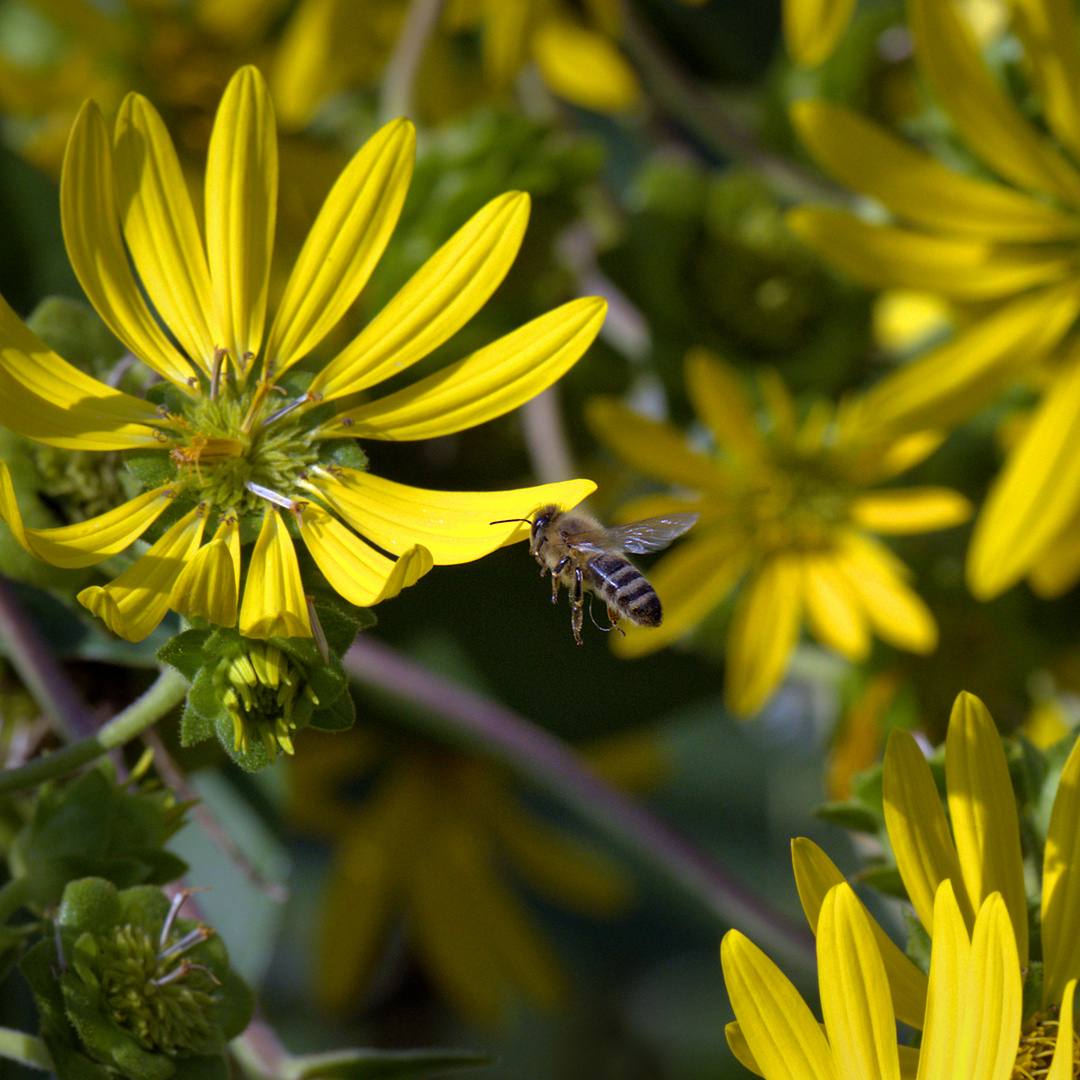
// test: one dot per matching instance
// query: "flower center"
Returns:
(1036, 1051)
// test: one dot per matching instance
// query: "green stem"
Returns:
(167, 691)
(25, 1049)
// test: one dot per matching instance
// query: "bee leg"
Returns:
(577, 606)
(613, 617)
(556, 577)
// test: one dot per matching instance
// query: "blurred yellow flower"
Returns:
(977, 849)
(1003, 239)
(972, 1020)
(428, 846)
(236, 442)
(788, 512)
(813, 28)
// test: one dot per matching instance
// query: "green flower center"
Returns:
(79, 484)
(164, 1001)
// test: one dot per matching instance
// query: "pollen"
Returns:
(1036, 1052)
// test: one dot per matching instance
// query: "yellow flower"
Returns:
(972, 1018)
(426, 847)
(243, 442)
(812, 28)
(977, 849)
(1004, 239)
(787, 517)
(571, 44)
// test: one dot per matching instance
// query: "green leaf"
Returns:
(339, 715)
(381, 1064)
(849, 815)
(185, 652)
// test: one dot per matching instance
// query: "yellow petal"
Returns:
(918, 830)
(344, 244)
(273, 604)
(435, 302)
(208, 587)
(909, 510)
(160, 229)
(815, 875)
(656, 449)
(1061, 884)
(690, 582)
(87, 542)
(455, 526)
(721, 401)
(780, 1031)
(855, 1001)
(355, 569)
(812, 28)
(241, 205)
(738, 1045)
(45, 398)
(97, 252)
(953, 381)
(834, 611)
(888, 257)
(896, 613)
(484, 385)
(1057, 566)
(764, 631)
(864, 156)
(981, 114)
(1037, 493)
(1061, 1068)
(982, 808)
(134, 603)
(583, 66)
(505, 39)
(946, 1002)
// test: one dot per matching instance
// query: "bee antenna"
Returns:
(511, 521)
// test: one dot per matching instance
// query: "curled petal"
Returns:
(134, 603)
(274, 604)
(208, 587)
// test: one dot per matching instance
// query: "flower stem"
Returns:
(399, 75)
(25, 1049)
(486, 727)
(167, 691)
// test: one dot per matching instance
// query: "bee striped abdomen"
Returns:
(624, 588)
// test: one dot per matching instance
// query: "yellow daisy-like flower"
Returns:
(244, 445)
(1005, 241)
(972, 1016)
(430, 845)
(788, 512)
(977, 849)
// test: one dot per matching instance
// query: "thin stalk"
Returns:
(486, 727)
(399, 75)
(167, 691)
(25, 1049)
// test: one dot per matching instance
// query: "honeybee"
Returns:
(585, 556)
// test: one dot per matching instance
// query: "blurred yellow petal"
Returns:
(897, 614)
(813, 28)
(834, 613)
(161, 231)
(490, 382)
(360, 573)
(97, 253)
(1061, 884)
(1036, 494)
(764, 631)
(982, 809)
(132, 604)
(909, 510)
(721, 401)
(451, 287)
(690, 582)
(779, 1030)
(208, 587)
(583, 66)
(455, 526)
(815, 875)
(864, 156)
(1057, 566)
(89, 542)
(918, 830)
(241, 208)
(888, 257)
(273, 604)
(344, 244)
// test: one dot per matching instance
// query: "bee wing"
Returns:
(652, 534)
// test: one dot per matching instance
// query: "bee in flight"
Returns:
(586, 557)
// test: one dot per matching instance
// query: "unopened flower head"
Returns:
(242, 445)
(788, 512)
